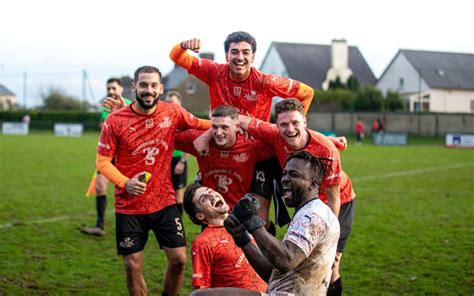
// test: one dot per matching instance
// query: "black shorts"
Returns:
(346, 218)
(132, 230)
(179, 181)
(266, 180)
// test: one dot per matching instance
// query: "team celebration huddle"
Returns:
(245, 163)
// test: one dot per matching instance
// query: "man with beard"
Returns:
(217, 258)
(228, 167)
(290, 134)
(237, 83)
(140, 139)
(301, 263)
(114, 91)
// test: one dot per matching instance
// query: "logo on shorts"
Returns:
(127, 243)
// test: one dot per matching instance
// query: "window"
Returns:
(401, 82)
(191, 88)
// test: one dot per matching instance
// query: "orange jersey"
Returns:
(253, 96)
(218, 262)
(318, 145)
(226, 170)
(141, 143)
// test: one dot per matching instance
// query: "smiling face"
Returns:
(148, 89)
(210, 206)
(224, 130)
(292, 128)
(298, 182)
(114, 90)
(240, 58)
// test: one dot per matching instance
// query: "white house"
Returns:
(431, 81)
(7, 98)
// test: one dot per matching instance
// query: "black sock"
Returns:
(271, 228)
(101, 203)
(180, 208)
(335, 289)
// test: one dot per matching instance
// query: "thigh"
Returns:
(168, 227)
(131, 233)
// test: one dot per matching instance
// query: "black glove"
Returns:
(236, 229)
(246, 211)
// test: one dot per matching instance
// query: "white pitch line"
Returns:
(412, 172)
(366, 178)
(40, 221)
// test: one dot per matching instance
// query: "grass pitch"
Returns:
(413, 231)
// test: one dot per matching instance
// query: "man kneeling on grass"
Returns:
(217, 259)
(301, 264)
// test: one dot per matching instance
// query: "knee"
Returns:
(178, 263)
(132, 264)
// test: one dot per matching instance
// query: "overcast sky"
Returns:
(54, 41)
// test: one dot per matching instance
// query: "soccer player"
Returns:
(114, 91)
(179, 165)
(217, 259)
(239, 84)
(228, 167)
(140, 138)
(290, 134)
(301, 263)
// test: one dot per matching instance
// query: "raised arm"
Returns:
(241, 237)
(305, 95)
(179, 53)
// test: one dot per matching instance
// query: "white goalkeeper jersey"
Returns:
(315, 229)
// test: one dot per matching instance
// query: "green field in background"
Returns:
(413, 231)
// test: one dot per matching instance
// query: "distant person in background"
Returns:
(179, 166)
(359, 130)
(377, 126)
(114, 91)
(26, 119)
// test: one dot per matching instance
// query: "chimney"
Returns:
(339, 54)
(339, 63)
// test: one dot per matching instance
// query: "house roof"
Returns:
(445, 70)
(5, 91)
(175, 77)
(309, 63)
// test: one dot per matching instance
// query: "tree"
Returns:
(353, 84)
(336, 84)
(57, 99)
(393, 101)
(369, 99)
